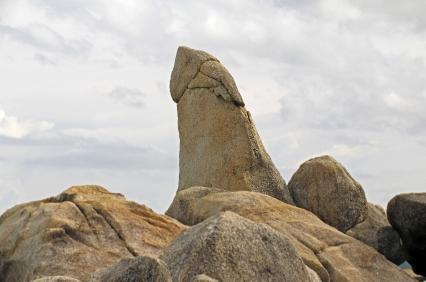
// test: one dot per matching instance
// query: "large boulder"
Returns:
(219, 144)
(407, 214)
(228, 247)
(333, 255)
(324, 187)
(139, 269)
(376, 232)
(78, 232)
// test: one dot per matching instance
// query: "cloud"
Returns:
(11, 126)
(129, 96)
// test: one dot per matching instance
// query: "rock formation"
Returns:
(232, 218)
(376, 232)
(219, 144)
(228, 247)
(333, 255)
(407, 214)
(83, 229)
(324, 187)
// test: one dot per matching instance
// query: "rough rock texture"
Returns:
(219, 144)
(229, 247)
(376, 232)
(331, 254)
(56, 279)
(407, 214)
(324, 187)
(74, 234)
(203, 278)
(139, 269)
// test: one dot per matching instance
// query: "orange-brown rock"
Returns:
(84, 229)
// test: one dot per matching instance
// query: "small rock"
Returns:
(139, 269)
(324, 187)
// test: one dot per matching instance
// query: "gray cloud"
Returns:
(129, 96)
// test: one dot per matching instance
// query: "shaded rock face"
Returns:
(219, 144)
(407, 214)
(228, 247)
(324, 187)
(376, 232)
(83, 229)
(139, 269)
(332, 255)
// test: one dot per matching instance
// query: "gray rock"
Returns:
(376, 232)
(324, 187)
(228, 247)
(139, 269)
(219, 143)
(407, 214)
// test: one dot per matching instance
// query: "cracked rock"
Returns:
(219, 143)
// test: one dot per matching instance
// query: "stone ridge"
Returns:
(198, 69)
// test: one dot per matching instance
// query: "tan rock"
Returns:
(228, 247)
(219, 144)
(376, 232)
(78, 232)
(333, 255)
(324, 187)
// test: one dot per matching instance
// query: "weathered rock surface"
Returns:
(83, 229)
(376, 232)
(331, 254)
(56, 279)
(219, 144)
(203, 278)
(407, 214)
(324, 187)
(139, 269)
(228, 247)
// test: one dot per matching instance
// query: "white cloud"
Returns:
(11, 126)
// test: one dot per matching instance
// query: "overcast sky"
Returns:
(84, 89)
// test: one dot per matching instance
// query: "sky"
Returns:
(84, 90)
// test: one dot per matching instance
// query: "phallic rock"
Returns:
(333, 255)
(324, 187)
(84, 229)
(407, 214)
(376, 232)
(139, 269)
(228, 247)
(219, 144)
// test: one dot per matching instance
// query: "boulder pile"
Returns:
(233, 217)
